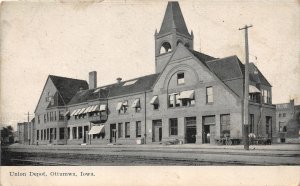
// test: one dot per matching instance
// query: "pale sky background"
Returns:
(116, 38)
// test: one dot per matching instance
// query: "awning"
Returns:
(77, 111)
(96, 129)
(119, 106)
(136, 103)
(88, 109)
(189, 94)
(81, 111)
(102, 108)
(95, 108)
(253, 89)
(67, 113)
(154, 100)
(74, 111)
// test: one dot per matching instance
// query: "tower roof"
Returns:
(173, 19)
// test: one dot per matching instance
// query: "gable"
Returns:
(184, 60)
(48, 90)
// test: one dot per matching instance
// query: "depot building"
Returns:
(191, 98)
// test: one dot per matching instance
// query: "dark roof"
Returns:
(86, 95)
(68, 87)
(173, 19)
(259, 77)
(141, 84)
(230, 68)
(226, 68)
(202, 57)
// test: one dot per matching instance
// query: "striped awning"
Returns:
(96, 129)
(189, 94)
(154, 100)
(136, 103)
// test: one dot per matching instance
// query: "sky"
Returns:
(116, 39)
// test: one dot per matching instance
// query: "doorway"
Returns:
(206, 134)
(190, 130)
(113, 132)
(157, 131)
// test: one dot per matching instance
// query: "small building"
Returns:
(191, 98)
(288, 122)
(26, 133)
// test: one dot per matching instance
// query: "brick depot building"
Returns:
(192, 97)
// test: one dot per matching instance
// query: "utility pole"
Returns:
(29, 127)
(246, 90)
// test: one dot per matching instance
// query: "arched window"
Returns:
(179, 41)
(187, 45)
(165, 47)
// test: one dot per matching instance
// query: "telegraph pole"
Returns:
(29, 133)
(246, 91)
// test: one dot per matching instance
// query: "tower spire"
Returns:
(173, 19)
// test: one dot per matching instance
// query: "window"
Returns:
(55, 133)
(44, 118)
(61, 133)
(37, 135)
(209, 95)
(61, 115)
(48, 134)
(47, 116)
(268, 125)
(174, 100)
(155, 102)
(180, 78)
(266, 96)
(55, 115)
(165, 47)
(39, 119)
(69, 132)
(284, 115)
(74, 130)
(251, 123)
(225, 124)
(123, 107)
(42, 135)
(280, 115)
(136, 105)
(79, 132)
(127, 130)
(45, 135)
(281, 126)
(138, 129)
(120, 130)
(173, 127)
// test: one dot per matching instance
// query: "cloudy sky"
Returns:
(116, 38)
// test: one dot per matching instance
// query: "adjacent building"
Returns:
(288, 122)
(192, 98)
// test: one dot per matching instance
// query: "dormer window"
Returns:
(180, 78)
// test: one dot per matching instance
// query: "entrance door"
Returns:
(190, 130)
(206, 134)
(157, 131)
(191, 135)
(113, 132)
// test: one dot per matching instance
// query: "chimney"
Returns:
(119, 80)
(93, 80)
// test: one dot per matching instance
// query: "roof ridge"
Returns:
(66, 77)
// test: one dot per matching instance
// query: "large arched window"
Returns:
(165, 47)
